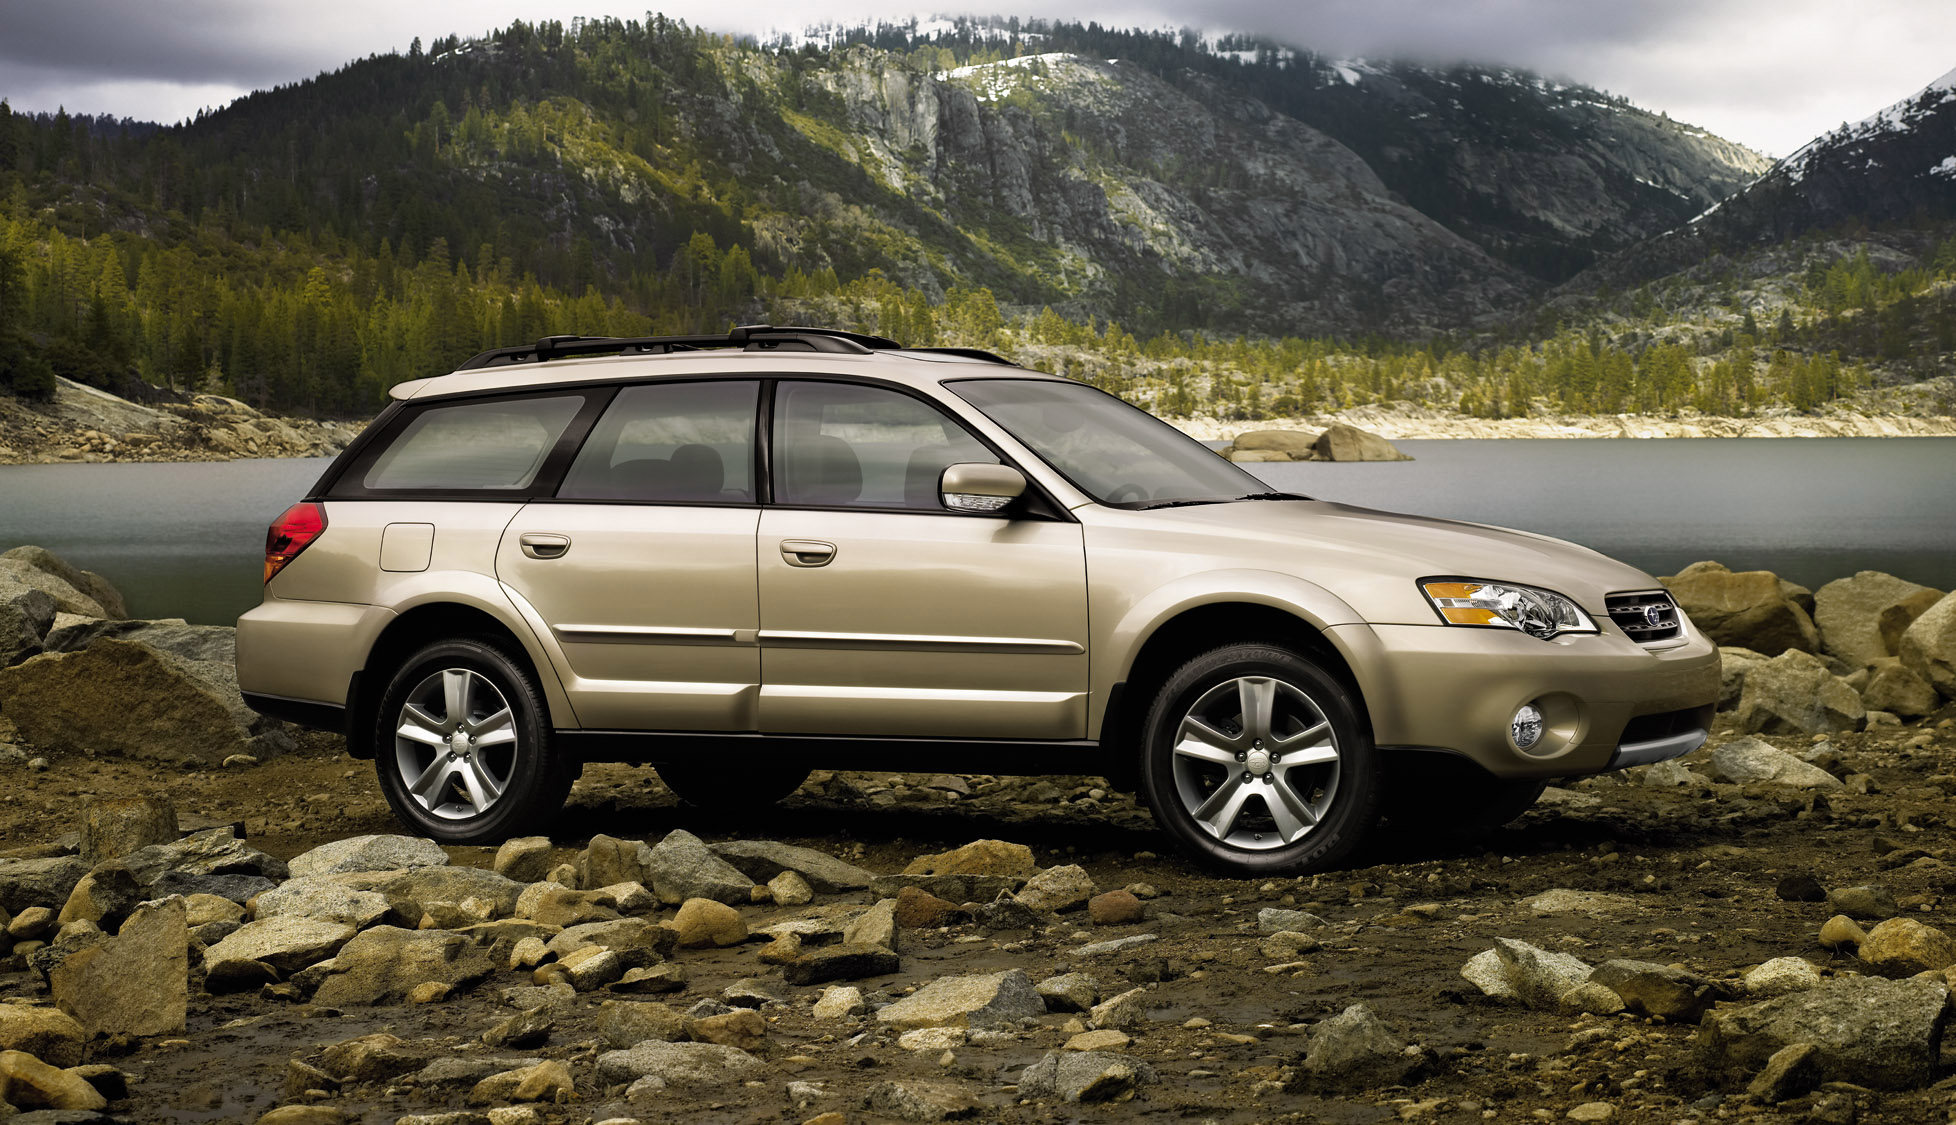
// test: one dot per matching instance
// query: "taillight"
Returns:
(291, 533)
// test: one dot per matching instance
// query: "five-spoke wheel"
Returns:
(462, 745)
(1254, 757)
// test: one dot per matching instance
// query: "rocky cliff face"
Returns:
(1096, 175)
(1541, 174)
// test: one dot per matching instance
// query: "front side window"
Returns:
(843, 445)
(1113, 452)
(488, 446)
(671, 442)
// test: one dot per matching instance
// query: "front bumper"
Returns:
(1610, 702)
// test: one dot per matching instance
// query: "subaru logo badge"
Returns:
(1653, 615)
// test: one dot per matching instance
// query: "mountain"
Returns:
(1894, 171)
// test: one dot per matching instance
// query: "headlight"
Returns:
(1504, 605)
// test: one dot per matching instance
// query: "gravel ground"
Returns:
(1690, 875)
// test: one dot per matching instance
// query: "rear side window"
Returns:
(843, 445)
(474, 446)
(671, 442)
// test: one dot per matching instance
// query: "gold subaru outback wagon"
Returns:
(735, 558)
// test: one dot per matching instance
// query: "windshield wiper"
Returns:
(1180, 503)
(1273, 496)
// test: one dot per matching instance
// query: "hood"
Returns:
(1373, 560)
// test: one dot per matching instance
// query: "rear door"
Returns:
(639, 572)
(884, 614)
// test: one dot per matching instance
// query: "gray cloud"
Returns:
(1770, 73)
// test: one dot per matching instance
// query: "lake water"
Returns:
(188, 540)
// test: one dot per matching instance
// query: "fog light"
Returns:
(1526, 727)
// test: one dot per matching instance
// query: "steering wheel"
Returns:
(1127, 494)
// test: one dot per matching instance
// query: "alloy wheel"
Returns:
(455, 744)
(1256, 763)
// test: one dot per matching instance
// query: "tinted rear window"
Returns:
(484, 445)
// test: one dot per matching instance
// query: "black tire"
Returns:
(732, 788)
(1333, 774)
(1451, 800)
(530, 778)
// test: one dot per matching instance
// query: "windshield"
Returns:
(1119, 455)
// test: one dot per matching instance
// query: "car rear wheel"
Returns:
(463, 748)
(728, 787)
(1254, 758)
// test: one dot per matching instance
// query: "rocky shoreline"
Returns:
(207, 922)
(1400, 421)
(87, 425)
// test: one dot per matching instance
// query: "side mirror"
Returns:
(977, 487)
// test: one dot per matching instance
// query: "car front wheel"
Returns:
(463, 746)
(1254, 758)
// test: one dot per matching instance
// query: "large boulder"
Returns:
(1868, 1031)
(1349, 443)
(1733, 664)
(137, 982)
(1928, 646)
(1894, 688)
(90, 585)
(1746, 609)
(1280, 445)
(166, 690)
(1794, 693)
(681, 866)
(384, 964)
(1745, 761)
(1861, 619)
(16, 573)
(26, 615)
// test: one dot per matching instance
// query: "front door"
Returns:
(639, 573)
(884, 614)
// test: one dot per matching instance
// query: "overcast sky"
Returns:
(1767, 73)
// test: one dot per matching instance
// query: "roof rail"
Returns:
(752, 337)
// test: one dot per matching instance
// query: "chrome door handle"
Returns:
(542, 545)
(807, 552)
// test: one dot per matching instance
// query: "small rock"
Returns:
(749, 992)
(1287, 945)
(112, 829)
(1057, 889)
(657, 979)
(134, 984)
(547, 1081)
(933, 1039)
(704, 922)
(1903, 947)
(681, 867)
(1114, 908)
(920, 910)
(1129, 1009)
(1085, 1076)
(1271, 920)
(1753, 760)
(790, 889)
(275, 946)
(382, 965)
(1658, 990)
(847, 961)
(1800, 888)
(1540, 978)
(988, 1000)
(1115, 945)
(920, 1101)
(743, 1028)
(1069, 992)
(1354, 1050)
(840, 1002)
(877, 926)
(607, 860)
(368, 853)
(524, 1029)
(1863, 902)
(525, 859)
(678, 1064)
(1097, 1041)
(1866, 1030)
(371, 1058)
(32, 1084)
(765, 859)
(624, 1024)
(1780, 976)
(1790, 1072)
(981, 857)
(48, 1034)
(1841, 932)
(323, 898)
(1591, 1111)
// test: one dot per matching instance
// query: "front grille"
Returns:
(1646, 616)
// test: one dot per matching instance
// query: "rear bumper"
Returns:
(301, 712)
(1610, 703)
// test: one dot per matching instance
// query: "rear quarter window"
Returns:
(482, 446)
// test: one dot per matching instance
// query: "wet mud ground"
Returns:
(1699, 865)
